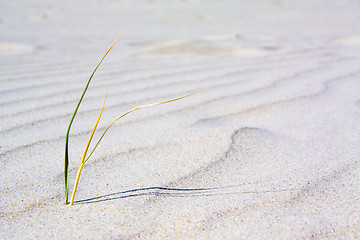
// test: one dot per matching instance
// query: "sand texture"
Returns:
(269, 150)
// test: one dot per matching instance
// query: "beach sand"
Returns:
(269, 150)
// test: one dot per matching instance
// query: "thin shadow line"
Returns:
(177, 192)
(148, 191)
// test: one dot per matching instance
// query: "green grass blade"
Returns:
(126, 113)
(66, 163)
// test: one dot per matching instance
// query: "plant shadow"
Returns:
(179, 192)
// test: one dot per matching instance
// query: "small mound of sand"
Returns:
(8, 48)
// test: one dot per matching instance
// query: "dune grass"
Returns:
(85, 158)
(66, 163)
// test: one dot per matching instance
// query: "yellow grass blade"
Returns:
(84, 155)
(126, 113)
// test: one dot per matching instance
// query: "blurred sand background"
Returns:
(270, 149)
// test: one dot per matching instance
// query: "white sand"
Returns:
(269, 150)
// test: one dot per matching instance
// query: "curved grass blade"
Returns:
(66, 163)
(84, 155)
(126, 113)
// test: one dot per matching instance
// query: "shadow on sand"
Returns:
(179, 192)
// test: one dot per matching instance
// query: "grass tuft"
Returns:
(85, 158)
(66, 163)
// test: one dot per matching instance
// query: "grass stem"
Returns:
(137, 108)
(84, 155)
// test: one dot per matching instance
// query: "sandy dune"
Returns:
(270, 149)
